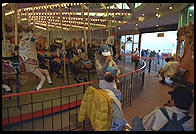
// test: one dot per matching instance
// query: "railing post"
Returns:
(88, 75)
(17, 89)
(8, 115)
(131, 89)
(149, 65)
(20, 118)
(61, 108)
(136, 64)
(52, 116)
(66, 68)
(43, 115)
(32, 112)
(143, 79)
(83, 93)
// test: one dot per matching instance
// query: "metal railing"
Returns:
(57, 108)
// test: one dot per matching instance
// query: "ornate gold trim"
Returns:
(186, 34)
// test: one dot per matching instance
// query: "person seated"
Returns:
(157, 120)
(169, 70)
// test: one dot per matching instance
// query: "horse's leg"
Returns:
(38, 73)
(45, 71)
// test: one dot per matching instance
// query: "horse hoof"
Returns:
(8, 92)
(50, 83)
(35, 89)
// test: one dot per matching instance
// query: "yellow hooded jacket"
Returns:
(97, 105)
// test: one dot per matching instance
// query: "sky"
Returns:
(166, 44)
(152, 42)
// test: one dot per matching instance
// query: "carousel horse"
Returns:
(92, 51)
(11, 66)
(55, 62)
(79, 68)
(27, 51)
(9, 62)
(71, 51)
(43, 56)
(80, 65)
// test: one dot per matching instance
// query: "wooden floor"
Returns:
(154, 94)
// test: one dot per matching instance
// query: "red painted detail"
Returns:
(40, 113)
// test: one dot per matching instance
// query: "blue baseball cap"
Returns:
(105, 50)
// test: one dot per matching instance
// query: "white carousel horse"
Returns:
(27, 51)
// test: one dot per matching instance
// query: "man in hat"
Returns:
(103, 62)
(180, 102)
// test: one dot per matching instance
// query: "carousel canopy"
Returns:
(75, 16)
(91, 16)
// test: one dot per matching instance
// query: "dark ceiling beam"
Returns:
(131, 6)
(159, 29)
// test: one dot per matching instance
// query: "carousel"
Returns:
(49, 53)
(55, 41)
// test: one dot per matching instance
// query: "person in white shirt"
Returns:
(135, 58)
(136, 53)
(180, 102)
(159, 56)
(169, 70)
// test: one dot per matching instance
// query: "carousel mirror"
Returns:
(181, 48)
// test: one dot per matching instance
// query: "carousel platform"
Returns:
(42, 105)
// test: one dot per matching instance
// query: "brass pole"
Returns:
(70, 25)
(84, 28)
(16, 26)
(33, 17)
(107, 21)
(89, 30)
(61, 20)
(47, 29)
(3, 28)
(101, 37)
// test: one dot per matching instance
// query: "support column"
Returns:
(85, 45)
(19, 16)
(47, 29)
(107, 33)
(33, 16)
(70, 27)
(89, 30)
(101, 37)
(139, 43)
(4, 45)
(61, 20)
(132, 46)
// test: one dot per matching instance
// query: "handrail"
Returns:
(135, 71)
(140, 57)
(69, 86)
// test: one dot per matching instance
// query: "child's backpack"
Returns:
(173, 124)
(118, 125)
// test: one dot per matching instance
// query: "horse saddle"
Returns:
(87, 64)
(11, 65)
(32, 61)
